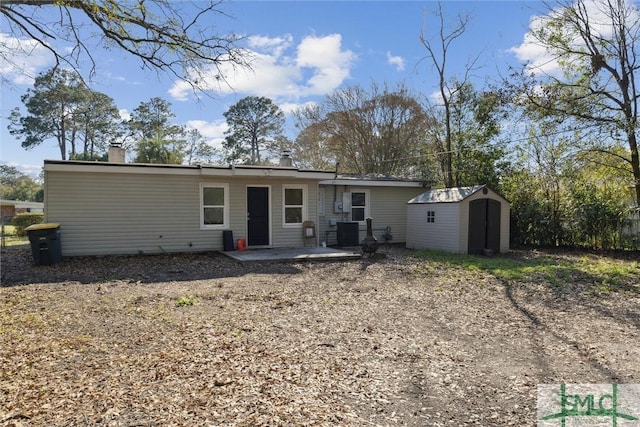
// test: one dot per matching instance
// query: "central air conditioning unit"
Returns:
(348, 234)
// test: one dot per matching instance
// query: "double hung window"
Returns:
(214, 206)
(359, 205)
(294, 205)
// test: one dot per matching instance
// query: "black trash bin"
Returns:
(45, 243)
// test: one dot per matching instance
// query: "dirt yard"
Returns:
(201, 340)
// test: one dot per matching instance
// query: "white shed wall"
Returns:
(442, 234)
(450, 231)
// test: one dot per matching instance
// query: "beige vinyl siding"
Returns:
(126, 214)
(238, 209)
(280, 236)
(387, 207)
(113, 213)
(327, 232)
(442, 234)
(291, 236)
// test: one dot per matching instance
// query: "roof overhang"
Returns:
(20, 204)
(373, 183)
(194, 170)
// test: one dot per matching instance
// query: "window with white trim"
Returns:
(214, 206)
(294, 205)
(359, 205)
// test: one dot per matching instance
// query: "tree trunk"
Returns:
(635, 165)
(62, 139)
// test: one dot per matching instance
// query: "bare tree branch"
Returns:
(438, 56)
(597, 50)
(172, 37)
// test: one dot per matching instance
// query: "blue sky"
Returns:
(303, 51)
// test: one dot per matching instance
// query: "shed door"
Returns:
(257, 216)
(484, 225)
(493, 225)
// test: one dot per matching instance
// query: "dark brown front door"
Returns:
(257, 216)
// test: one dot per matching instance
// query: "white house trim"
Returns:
(156, 169)
(372, 183)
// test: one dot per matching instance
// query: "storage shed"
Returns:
(460, 220)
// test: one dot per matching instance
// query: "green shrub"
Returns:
(23, 220)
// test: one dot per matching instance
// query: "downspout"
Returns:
(335, 186)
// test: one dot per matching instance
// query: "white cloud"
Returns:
(22, 59)
(275, 45)
(329, 64)
(290, 107)
(124, 114)
(213, 132)
(539, 60)
(180, 91)
(316, 66)
(398, 61)
(33, 171)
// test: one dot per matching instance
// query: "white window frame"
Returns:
(225, 212)
(305, 204)
(367, 204)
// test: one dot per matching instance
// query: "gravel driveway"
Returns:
(200, 340)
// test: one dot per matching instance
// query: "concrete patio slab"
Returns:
(292, 254)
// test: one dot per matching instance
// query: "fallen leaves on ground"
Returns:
(390, 341)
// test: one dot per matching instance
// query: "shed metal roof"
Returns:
(446, 195)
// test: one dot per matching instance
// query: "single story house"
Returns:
(9, 208)
(460, 220)
(106, 208)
